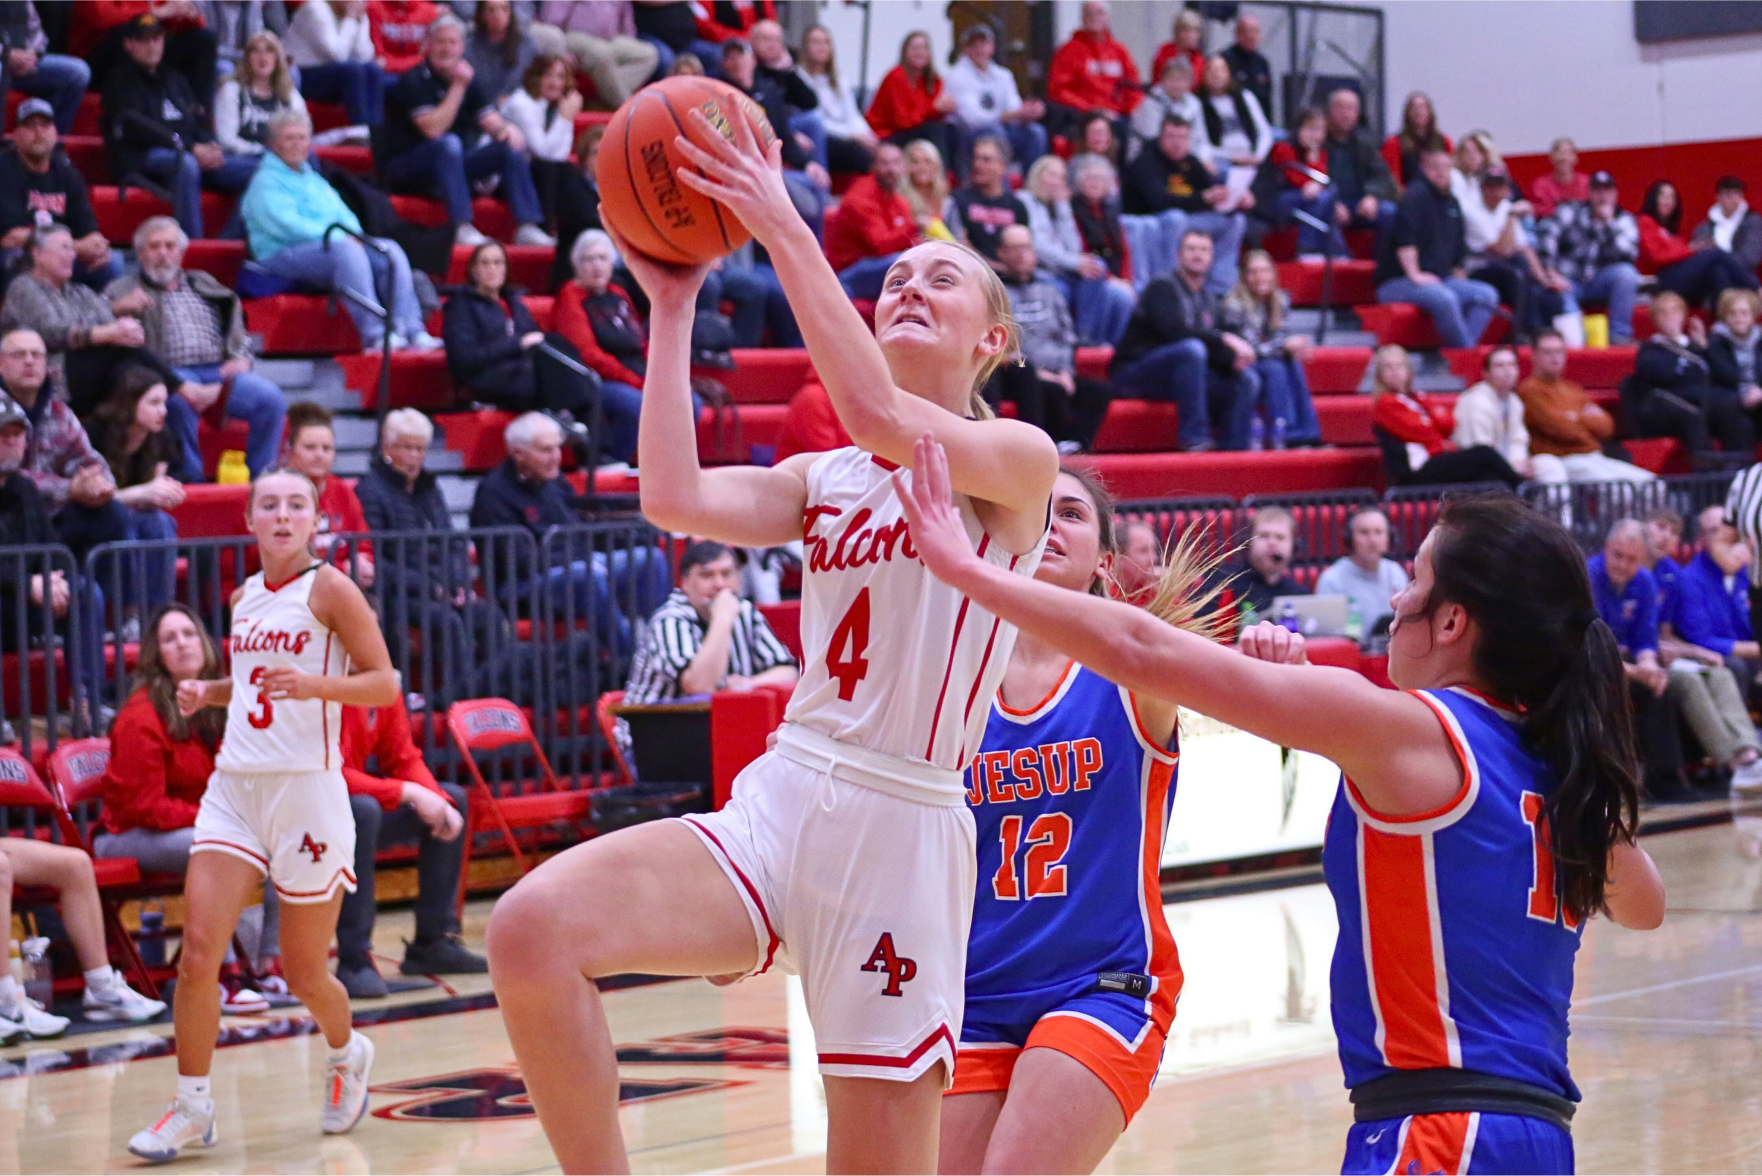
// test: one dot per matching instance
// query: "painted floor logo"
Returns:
(499, 1092)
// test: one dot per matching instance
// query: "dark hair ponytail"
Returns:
(1542, 647)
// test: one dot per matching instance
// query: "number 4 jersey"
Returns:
(273, 626)
(897, 661)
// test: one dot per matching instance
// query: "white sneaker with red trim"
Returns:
(181, 1126)
(345, 1087)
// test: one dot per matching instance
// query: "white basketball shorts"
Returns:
(295, 827)
(857, 870)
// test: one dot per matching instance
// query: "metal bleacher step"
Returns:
(316, 380)
(1431, 373)
(458, 492)
(355, 462)
(355, 432)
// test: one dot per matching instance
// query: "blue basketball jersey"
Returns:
(1455, 949)
(1071, 803)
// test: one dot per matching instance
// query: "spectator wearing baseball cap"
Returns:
(1501, 254)
(157, 125)
(1594, 245)
(31, 69)
(100, 29)
(986, 103)
(40, 186)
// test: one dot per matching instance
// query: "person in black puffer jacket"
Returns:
(1734, 349)
(1671, 392)
(492, 343)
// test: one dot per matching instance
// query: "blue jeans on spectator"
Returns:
(449, 166)
(161, 580)
(620, 410)
(256, 401)
(358, 85)
(743, 288)
(1460, 308)
(1156, 240)
(1616, 286)
(862, 278)
(1180, 372)
(62, 80)
(1027, 142)
(179, 171)
(758, 300)
(1285, 397)
(1102, 307)
(619, 586)
(663, 56)
(1321, 207)
(348, 266)
(1701, 277)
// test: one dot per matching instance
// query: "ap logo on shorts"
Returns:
(899, 969)
(315, 848)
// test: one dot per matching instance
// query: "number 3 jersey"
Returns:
(897, 661)
(273, 626)
(1454, 950)
(1071, 803)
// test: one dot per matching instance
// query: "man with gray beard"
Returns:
(196, 326)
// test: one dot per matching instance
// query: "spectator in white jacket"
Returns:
(850, 141)
(1491, 413)
(986, 102)
(1172, 94)
(261, 86)
(1101, 303)
(332, 44)
(544, 107)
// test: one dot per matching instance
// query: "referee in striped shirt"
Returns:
(704, 637)
(1743, 510)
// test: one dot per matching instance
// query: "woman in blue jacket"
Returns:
(287, 210)
(1713, 598)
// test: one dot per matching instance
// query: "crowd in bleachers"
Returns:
(1160, 238)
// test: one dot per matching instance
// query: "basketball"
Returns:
(640, 195)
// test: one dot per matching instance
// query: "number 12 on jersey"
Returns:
(1048, 839)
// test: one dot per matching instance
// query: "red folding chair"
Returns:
(604, 712)
(493, 725)
(28, 808)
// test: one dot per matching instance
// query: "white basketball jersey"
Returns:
(897, 661)
(272, 628)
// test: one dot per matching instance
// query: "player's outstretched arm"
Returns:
(746, 505)
(338, 604)
(1008, 463)
(1389, 743)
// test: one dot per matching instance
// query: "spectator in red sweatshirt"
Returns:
(910, 103)
(872, 226)
(1091, 71)
(190, 49)
(397, 28)
(1413, 431)
(400, 802)
(1697, 271)
(811, 425)
(728, 20)
(311, 440)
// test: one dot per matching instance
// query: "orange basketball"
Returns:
(640, 194)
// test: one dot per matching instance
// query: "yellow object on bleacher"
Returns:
(1597, 330)
(232, 471)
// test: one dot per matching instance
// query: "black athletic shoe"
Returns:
(361, 979)
(442, 956)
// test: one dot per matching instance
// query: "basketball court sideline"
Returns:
(1666, 1024)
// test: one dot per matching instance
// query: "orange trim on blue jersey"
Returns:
(1438, 1143)
(1409, 988)
(1064, 675)
(1127, 1073)
(983, 1069)
(1463, 757)
(1150, 744)
(1165, 956)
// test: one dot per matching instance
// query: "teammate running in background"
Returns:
(846, 854)
(277, 808)
(1072, 974)
(1486, 811)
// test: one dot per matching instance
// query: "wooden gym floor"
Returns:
(1667, 1046)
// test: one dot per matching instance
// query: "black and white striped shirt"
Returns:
(1743, 505)
(675, 634)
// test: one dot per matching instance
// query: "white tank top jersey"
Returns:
(275, 627)
(897, 661)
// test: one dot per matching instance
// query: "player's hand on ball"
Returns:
(287, 682)
(662, 281)
(1274, 643)
(744, 177)
(937, 531)
(192, 696)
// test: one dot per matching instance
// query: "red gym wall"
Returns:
(1693, 167)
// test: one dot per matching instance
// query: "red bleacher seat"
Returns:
(766, 375)
(529, 266)
(356, 160)
(1282, 243)
(1345, 420)
(1354, 282)
(85, 122)
(1336, 369)
(1178, 475)
(301, 324)
(1594, 367)
(1407, 325)
(1138, 426)
(119, 214)
(210, 509)
(490, 216)
(1661, 455)
(419, 378)
(87, 154)
(221, 259)
(784, 617)
(588, 118)
(216, 441)
(327, 116)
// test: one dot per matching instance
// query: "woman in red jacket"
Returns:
(1414, 430)
(1699, 274)
(1295, 179)
(910, 103)
(601, 323)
